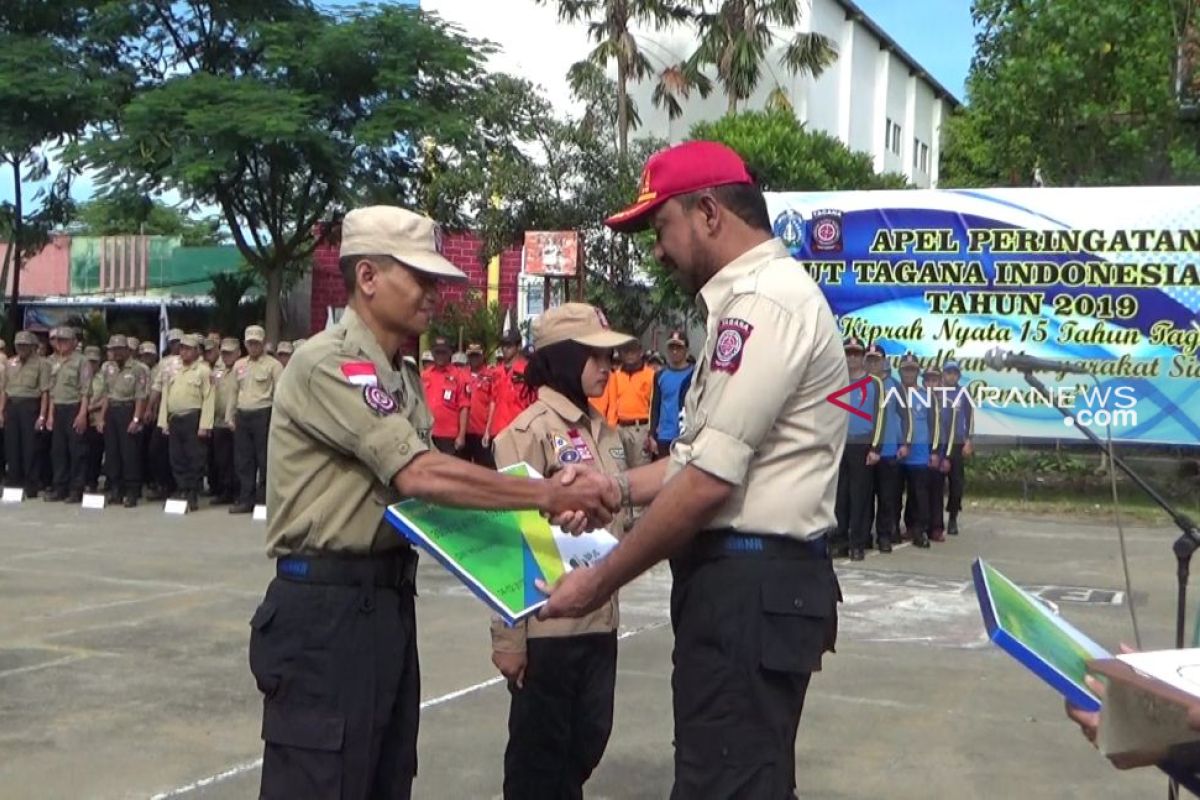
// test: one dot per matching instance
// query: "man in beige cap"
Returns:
(257, 375)
(211, 352)
(186, 417)
(222, 479)
(70, 385)
(160, 478)
(126, 392)
(95, 431)
(283, 352)
(24, 407)
(350, 435)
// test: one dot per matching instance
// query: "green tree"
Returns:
(1077, 93)
(610, 25)
(736, 37)
(57, 75)
(280, 114)
(470, 321)
(120, 213)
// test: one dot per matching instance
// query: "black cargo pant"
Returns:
(187, 450)
(250, 454)
(889, 488)
(855, 493)
(916, 504)
(122, 452)
(476, 453)
(221, 478)
(21, 442)
(936, 498)
(68, 450)
(957, 480)
(158, 459)
(750, 627)
(337, 666)
(560, 721)
(95, 456)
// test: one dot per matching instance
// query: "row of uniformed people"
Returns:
(904, 444)
(69, 417)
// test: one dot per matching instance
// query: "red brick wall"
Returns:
(462, 249)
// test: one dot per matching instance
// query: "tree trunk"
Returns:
(274, 296)
(732, 109)
(14, 306)
(622, 110)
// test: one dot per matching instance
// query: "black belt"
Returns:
(74, 403)
(12, 399)
(184, 413)
(726, 542)
(628, 423)
(390, 570)
(120, 403)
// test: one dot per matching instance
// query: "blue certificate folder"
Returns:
(1026, 629)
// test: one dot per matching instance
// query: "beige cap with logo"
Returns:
(25, 337)
(230, 345)
(284, 349)
(576, 322)
(255, 333)
(147, 349)
(189, 340)
(410, 238)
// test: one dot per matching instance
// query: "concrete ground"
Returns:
(123, 667)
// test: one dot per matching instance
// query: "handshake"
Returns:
(580, 499)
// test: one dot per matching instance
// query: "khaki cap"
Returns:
(411, 239)
(66, 332)
(474, 349)
(270, 348)
(174, 335)
(133, 342)
(576, 322)
(189, 340)
(284, 349)
(255, 333)
(427, 355)
(117, 340)
(230, 345)
(147, 348)
(459, 359)
(91, 353)
(25, 337)
(211, 341)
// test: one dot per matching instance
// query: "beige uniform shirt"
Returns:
(224, 394)
(346, 420)
(190, 388)
(70, 379)
(98, 393)
(552, 433)
(256, 381)
(28, 379)
(756, 415)
(126, 384)
(163, 371)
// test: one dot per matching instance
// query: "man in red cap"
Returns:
(745, 504)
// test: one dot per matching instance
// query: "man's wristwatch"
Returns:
(626, 495)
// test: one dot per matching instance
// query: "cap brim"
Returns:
(431, 264)
(604, 339)
(636, 217)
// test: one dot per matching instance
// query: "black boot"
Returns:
(885, 546)
(131, 501)
(193, 501)
(857, 554)
(920, 540)
(241, 508)
(952, 528)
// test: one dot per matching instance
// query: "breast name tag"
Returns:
(93, 501)
(13, 495)
(260, 513)
(176, 507)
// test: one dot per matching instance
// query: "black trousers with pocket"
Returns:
(186, 449)
(122, 452)
(916, 504)
(222, 480)
(337, 667)
(476, 453)
(250, 454)
(68, 450)
(855, 495)
(21, 441)
(889, 488)
(956, 480)
(560, 721)
(750, 630)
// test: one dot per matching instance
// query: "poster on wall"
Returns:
(551, 254)
(1106, 279)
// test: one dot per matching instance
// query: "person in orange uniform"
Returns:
(480, 389)
(444, 395)
(626, 402)
(511, 397)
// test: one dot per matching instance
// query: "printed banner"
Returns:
(1107, 279)
(551, 253)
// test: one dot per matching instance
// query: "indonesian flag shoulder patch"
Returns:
(360, 373)
(732, 335)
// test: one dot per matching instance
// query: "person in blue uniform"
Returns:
(864, 440)
(889, 478)
(919, 465)
(671, 386)
(935, 496)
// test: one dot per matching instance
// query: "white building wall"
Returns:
(851, 100)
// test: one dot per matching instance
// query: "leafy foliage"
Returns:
(130, 212)
(1075, 93)
(472, 321)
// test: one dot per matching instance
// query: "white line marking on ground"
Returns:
(250, 766)
(58, 662)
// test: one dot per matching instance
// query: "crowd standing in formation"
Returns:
(135, 426)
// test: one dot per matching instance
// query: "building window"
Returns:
(916, 152)
(925, 158)
(891, 137)
(896, 139)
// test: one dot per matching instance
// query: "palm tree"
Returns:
(736, 37)
(609, 26)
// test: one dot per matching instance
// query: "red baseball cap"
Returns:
(679, 170)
